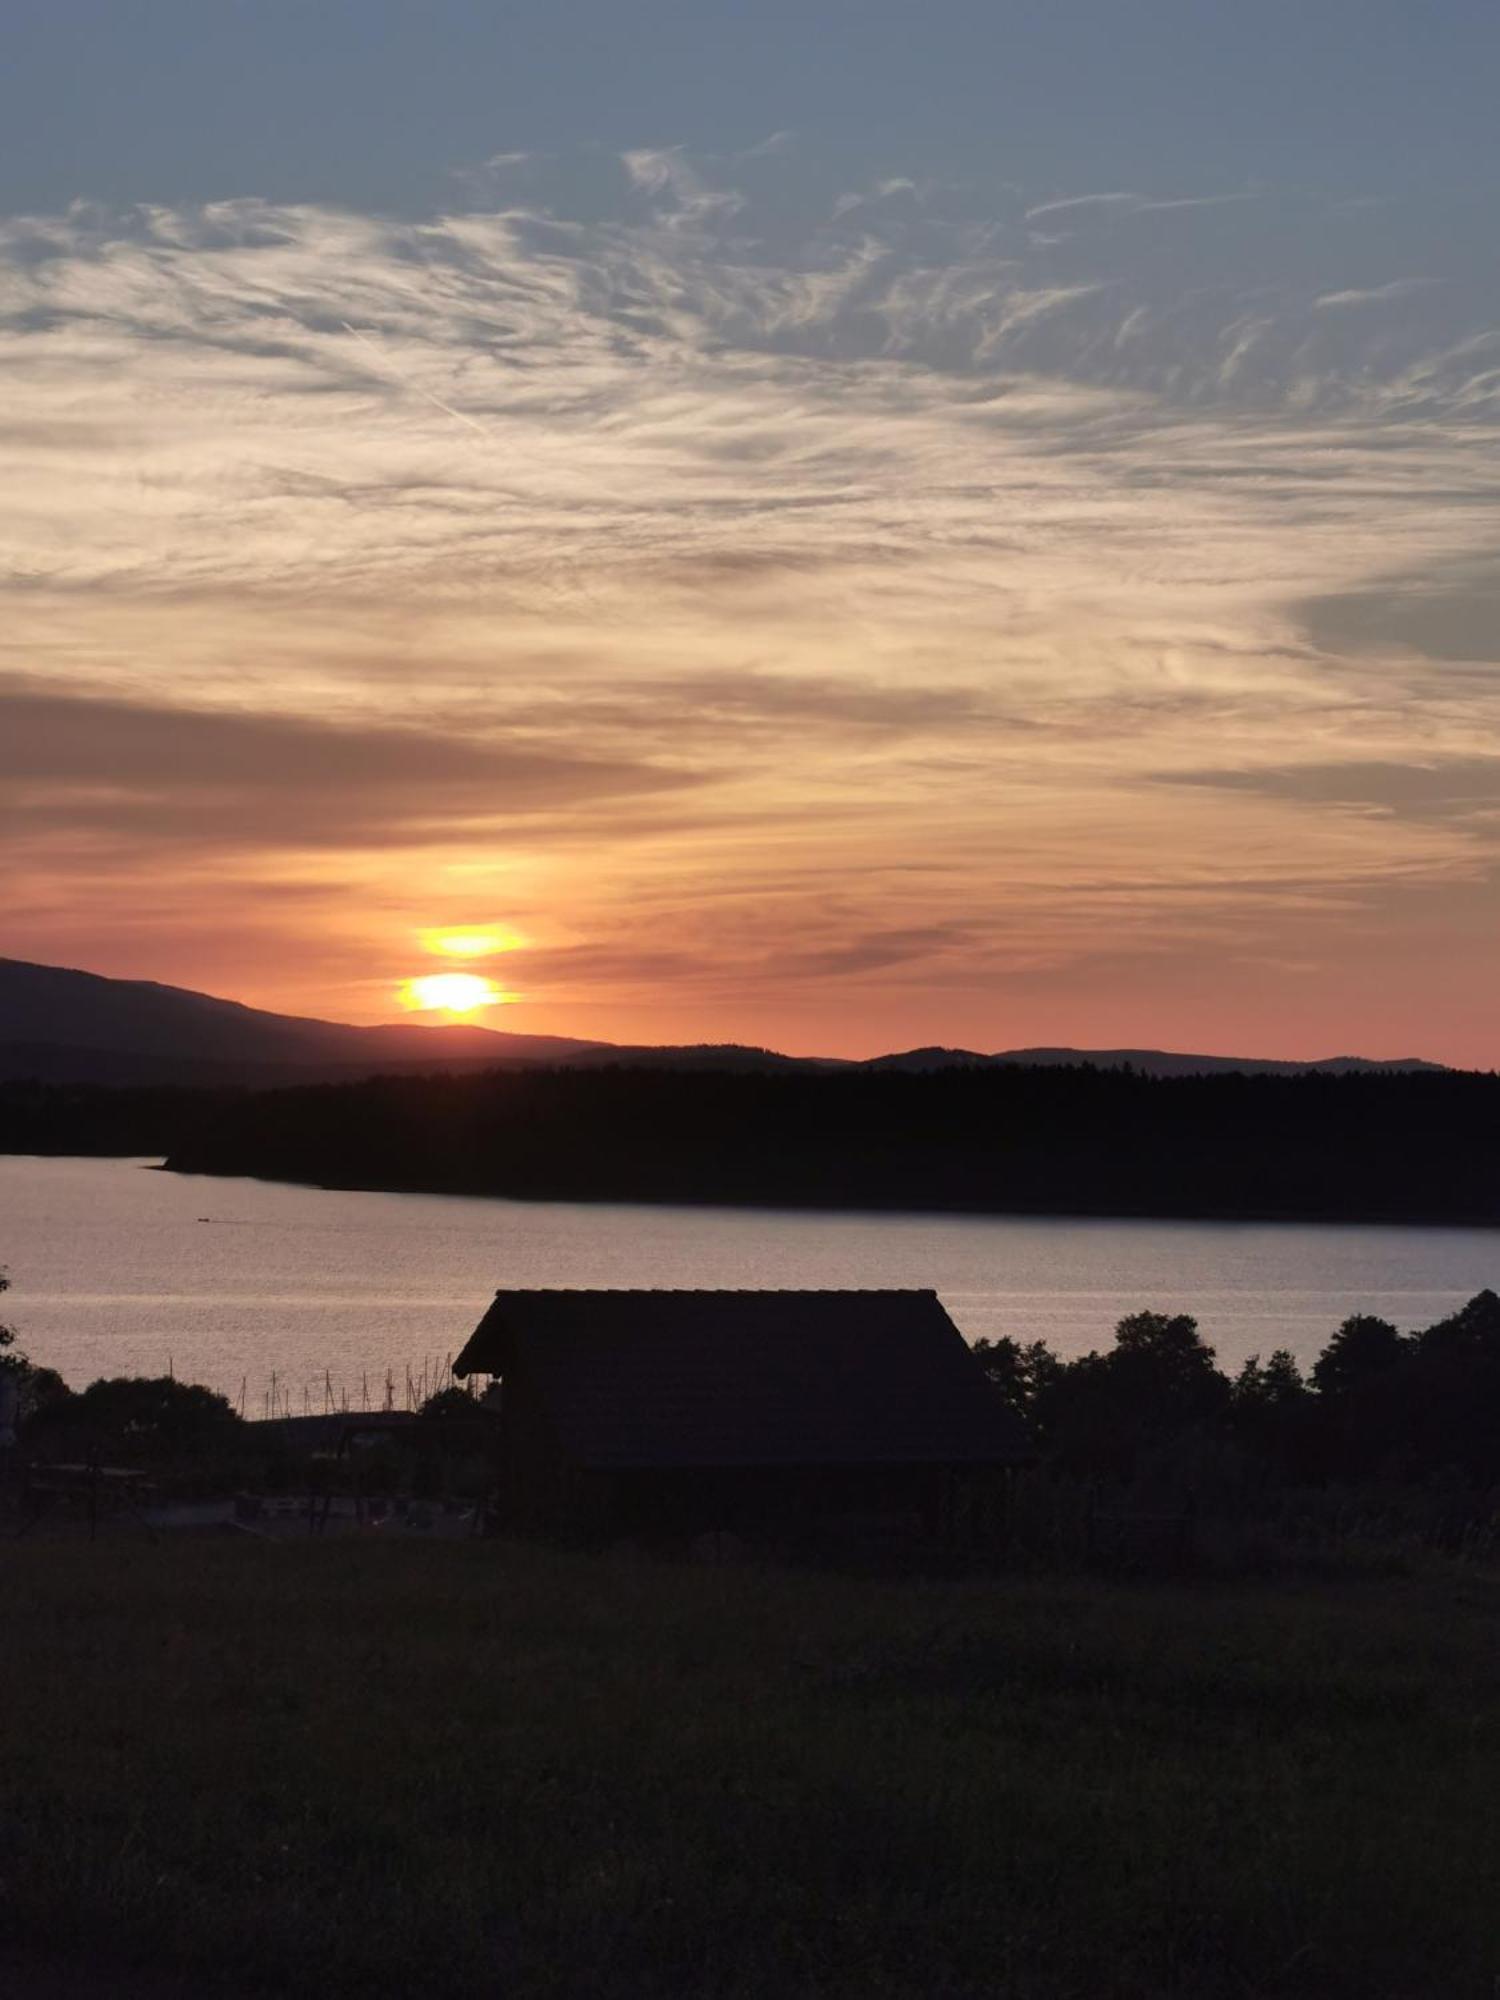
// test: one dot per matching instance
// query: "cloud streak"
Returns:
(279, 784)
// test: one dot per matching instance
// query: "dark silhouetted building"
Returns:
(762, 1413)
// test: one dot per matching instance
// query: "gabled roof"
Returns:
(748, 1378)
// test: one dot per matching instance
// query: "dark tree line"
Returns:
(102, 1120)
(1411, 1147)
(1414, 1147)
(1379, 1405)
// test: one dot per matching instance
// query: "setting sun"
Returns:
(451, 993)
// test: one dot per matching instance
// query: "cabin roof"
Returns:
(699, 1378)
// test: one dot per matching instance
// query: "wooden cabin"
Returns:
(663, 1414)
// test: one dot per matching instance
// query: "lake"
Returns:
(120, 1269)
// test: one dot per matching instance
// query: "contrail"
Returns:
(564, 581)
(406, 381)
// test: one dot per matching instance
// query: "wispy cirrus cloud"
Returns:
(1375, 295)
(683, 552)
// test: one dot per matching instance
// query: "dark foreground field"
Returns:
(475, 1769)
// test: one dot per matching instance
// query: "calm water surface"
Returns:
(118, 1269)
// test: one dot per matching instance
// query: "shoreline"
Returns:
(976, 1212)
(615, 1198)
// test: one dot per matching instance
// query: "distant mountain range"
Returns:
(1151, 1062)
(63, 1026)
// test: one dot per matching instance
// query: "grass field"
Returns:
(475, 1769)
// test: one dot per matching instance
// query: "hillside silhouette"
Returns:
(63, 1025)
(58, 1025)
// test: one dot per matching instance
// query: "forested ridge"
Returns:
(1409, 1147)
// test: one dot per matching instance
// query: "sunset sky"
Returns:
(840, 525)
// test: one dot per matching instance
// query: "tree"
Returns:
(1473, 1330)
(1111, 1413)
(1450, 1394)
(451, 1402)
(1024, 1375)
(9, 1358)
(1165, 1361)
(1273, 1385)
(1272, 1412)
(1363, 1348)
(149, 1417)
(31, 1388)
(42, 1390)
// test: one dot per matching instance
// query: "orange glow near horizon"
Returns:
(451, 993)
(484, 943)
